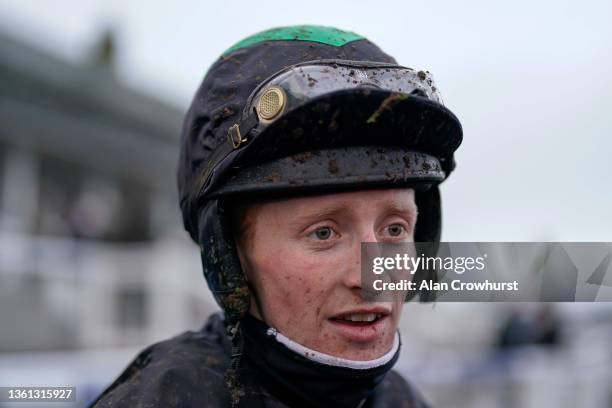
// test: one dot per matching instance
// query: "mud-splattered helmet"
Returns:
(300, 110)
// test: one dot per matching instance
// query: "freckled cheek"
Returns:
(399, 307)
(296, 286)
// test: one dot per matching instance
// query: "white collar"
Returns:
(330, 360)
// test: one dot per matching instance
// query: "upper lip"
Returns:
(366, 310)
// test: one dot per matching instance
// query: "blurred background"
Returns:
(94, 264)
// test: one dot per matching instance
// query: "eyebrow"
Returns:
(341, 207)
(402, 208)
(325, 212)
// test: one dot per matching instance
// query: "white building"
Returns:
(92, 252)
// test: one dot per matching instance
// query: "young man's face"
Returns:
(302, 255)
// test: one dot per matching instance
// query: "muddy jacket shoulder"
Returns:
(183, 371)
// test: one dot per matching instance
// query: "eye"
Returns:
(323, 233)
(395, 230)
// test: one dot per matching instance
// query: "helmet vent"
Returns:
(271, 103)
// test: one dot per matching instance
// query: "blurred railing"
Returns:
(104, 294)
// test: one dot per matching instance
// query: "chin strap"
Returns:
(231, 375)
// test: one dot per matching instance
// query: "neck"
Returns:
(300, 376)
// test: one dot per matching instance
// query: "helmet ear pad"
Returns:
(220, 261)
(429, 226)
(427, 238)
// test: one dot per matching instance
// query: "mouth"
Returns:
(361, 325)
(358, 319)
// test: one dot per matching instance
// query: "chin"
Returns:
(357, 350)
(364, 354)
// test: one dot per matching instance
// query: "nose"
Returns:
(352, 277)
(368, 235)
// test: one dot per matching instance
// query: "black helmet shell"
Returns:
(403, 140)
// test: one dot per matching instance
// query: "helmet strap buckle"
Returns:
(234, 136)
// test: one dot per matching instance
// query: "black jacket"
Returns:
(188, 371)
